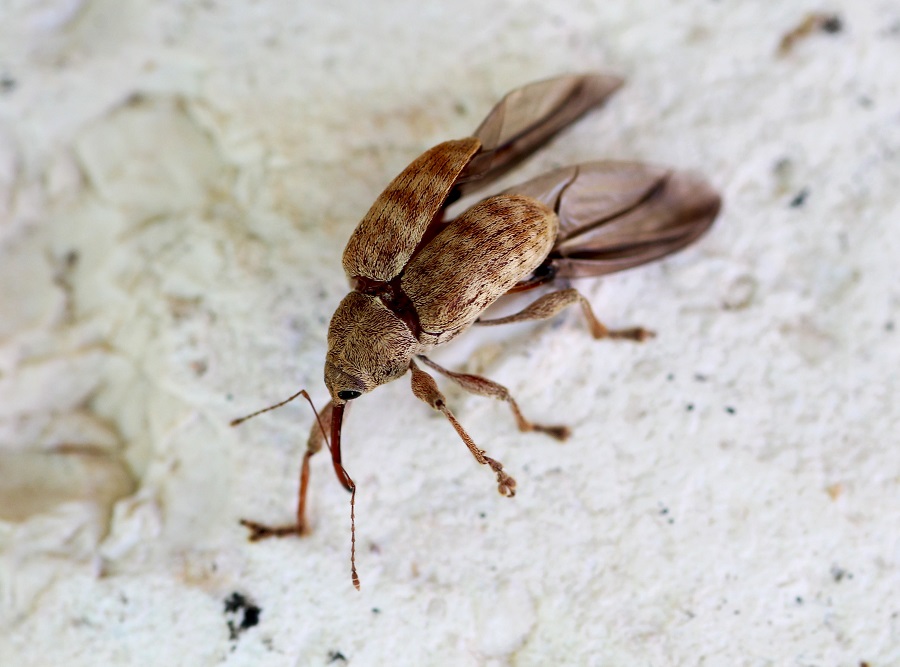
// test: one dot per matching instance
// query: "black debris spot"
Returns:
(234, 603)
(889, 325)
(839, 574)
(689, 407)
(730, 410)
(832, 24)
(334, 656)
(670, 377)
(251, 617)
(376, 610)
(700, 377)
(664, 511)
(800, 198)
(798, 600)
(7, 83)
(241, 613)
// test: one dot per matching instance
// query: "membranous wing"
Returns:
(617, 215)
(526, 119)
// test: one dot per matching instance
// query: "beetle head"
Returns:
(367, 346)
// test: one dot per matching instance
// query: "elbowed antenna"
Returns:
(302, 392)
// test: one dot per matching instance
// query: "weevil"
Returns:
(418, 280)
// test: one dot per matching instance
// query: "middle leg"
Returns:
(425, 389)
(481, 386)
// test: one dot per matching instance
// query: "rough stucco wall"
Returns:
(177, 181)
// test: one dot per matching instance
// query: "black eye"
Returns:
(348, 394)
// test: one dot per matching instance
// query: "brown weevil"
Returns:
(419, 280)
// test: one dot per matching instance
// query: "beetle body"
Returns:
(439, 293)
(419, 280)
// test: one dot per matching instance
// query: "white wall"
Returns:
(177, 181)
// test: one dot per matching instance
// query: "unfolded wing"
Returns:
(527, 118)
(617, 215)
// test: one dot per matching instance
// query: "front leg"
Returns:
(425, 389)
(550, 304)
(476, 384)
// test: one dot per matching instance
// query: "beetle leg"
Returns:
(550, 304)
(477, 384)
(261, 531)
(425, 389)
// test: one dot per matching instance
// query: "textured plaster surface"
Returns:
(177, 181)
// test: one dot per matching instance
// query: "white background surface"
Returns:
(177, 181)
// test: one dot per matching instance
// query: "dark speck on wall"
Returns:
(241, 613)
(799, 199)
(832, 24)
